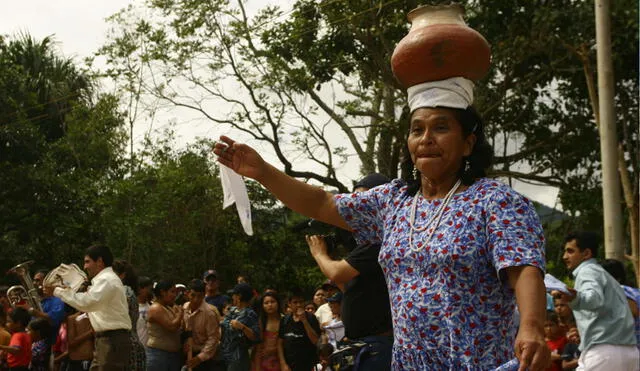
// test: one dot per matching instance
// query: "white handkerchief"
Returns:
(234, 190)
(553, 283)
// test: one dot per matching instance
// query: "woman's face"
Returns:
(169, 297)
(551, 330)
(319, 297)
(436, 143)
(270, 305)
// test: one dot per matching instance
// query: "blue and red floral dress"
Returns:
(451, 305)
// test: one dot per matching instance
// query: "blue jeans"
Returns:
(378, 356)
(161, 360)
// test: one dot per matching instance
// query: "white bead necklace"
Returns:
(436, 217)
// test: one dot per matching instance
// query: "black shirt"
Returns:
(365, 305)
(299, 351)
(218, 301)
(570, 352)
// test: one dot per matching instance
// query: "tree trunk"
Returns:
(625, 178)
(632, 209)
(385, 139)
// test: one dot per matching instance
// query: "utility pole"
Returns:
(613, 245)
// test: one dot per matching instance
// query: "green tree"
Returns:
(170, 211)
(60, 144)
(315, 83)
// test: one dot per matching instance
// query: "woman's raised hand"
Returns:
(239, 157)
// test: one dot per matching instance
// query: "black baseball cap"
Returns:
(209, 273)
(244, 290)
(328, 284)
(371, 181)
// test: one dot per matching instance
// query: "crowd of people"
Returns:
(120, 321)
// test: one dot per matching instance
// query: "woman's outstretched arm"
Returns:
(301, 197)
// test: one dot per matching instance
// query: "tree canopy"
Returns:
(314, 83)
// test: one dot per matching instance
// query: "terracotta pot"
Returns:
(440, 45)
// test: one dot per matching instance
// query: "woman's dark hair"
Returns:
(479, 160)
(130, 277)
(616, 269)
(263, 314)
(100, 251)
(162, 286)
(41, 326)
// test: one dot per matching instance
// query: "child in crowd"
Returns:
(335, 328)
(325, 349)
(39, 328)
(19, 348)
(556, 340)
(5, 338)
(299, 333)
(310, 307)
(61, 347)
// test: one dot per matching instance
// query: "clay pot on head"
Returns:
(439, 46)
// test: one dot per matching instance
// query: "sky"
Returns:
(79, 27)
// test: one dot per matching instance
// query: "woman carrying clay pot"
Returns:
(459, 250)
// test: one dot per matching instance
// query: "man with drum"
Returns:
(105, 303)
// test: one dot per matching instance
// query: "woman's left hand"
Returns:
(531, 349)
(236, 324)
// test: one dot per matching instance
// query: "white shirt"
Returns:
(323, 313)
(143, 315)
(335, 332)
(105, 302)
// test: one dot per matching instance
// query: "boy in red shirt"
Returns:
(19, 348)
(556, 340)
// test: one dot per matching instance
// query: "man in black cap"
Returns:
(323, 313)
(366, 312)
(213, 295)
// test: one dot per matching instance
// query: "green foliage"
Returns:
(59, 146)
(167, 219)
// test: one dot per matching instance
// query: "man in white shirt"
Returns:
(323, 313)
(335, 328)
(106, 305)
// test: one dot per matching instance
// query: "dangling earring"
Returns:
(467, 165)
(415, 173)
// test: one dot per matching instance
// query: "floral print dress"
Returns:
(451, 306)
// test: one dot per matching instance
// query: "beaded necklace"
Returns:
(436, 217)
